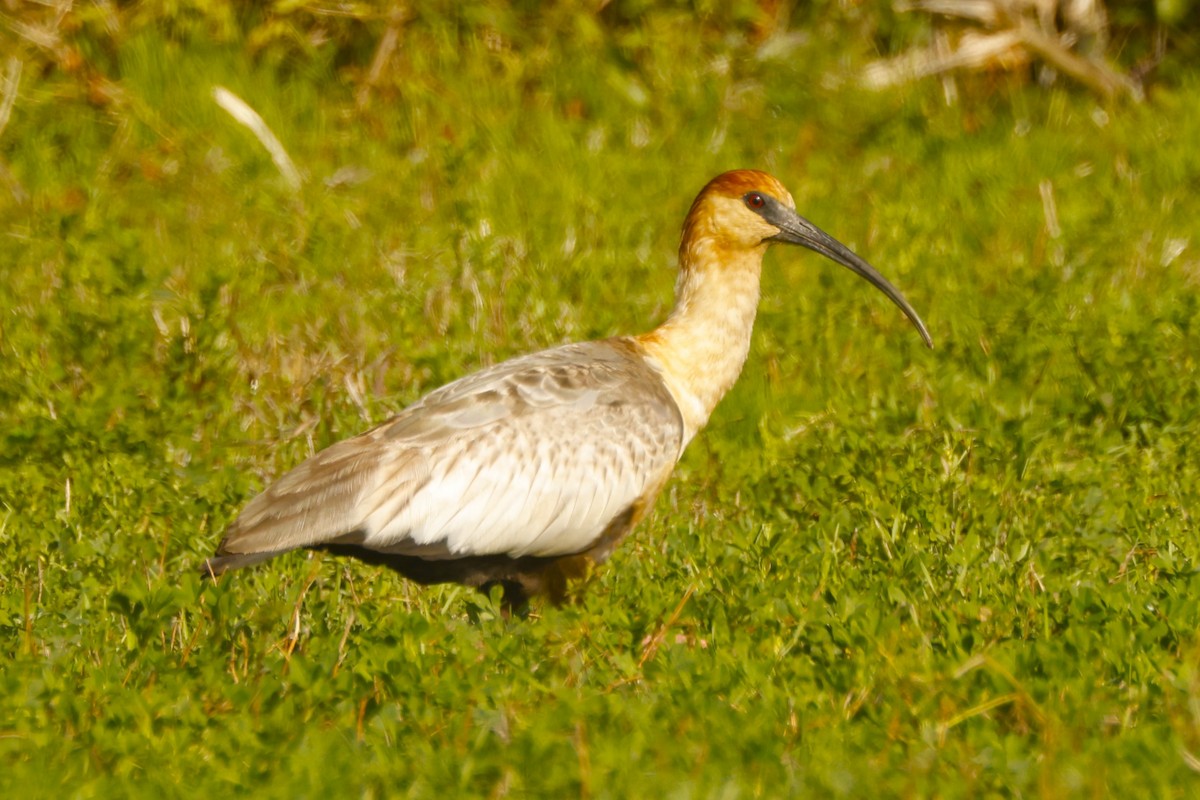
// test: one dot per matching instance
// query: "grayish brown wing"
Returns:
(531, 457)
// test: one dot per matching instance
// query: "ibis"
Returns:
(527, 473)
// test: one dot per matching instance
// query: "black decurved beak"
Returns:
(795, 229)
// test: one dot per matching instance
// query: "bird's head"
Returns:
(747, 210)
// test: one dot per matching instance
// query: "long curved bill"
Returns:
(795, 229)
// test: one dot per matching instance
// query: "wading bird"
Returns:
(526, 472)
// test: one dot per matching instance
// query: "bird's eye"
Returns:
(755, 200)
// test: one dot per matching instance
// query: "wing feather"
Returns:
(534, 456)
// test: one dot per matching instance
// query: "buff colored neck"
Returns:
(704, 343)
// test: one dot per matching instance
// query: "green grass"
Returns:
(880, 571)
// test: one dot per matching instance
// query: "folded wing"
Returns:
(532, 457)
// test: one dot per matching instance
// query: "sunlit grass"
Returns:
(881, 570)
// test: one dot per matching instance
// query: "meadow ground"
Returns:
(880, 571)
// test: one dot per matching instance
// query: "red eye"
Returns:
(755, 200)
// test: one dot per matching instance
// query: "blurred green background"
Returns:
(881, 570)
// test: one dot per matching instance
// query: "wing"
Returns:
(534, 456)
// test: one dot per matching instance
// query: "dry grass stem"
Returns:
(241, 111)
(8, 91)
(1066, 35)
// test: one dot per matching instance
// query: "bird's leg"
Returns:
(516, 598)
(568, 580)
(513, 596)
